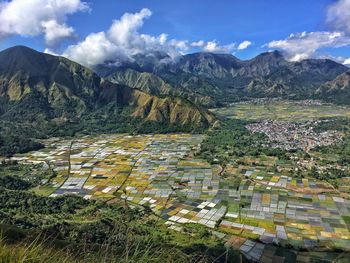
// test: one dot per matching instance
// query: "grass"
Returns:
(44, 190)
(42, 251)
(33, 252)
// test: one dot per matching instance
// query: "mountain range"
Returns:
(213, 79)
(153, 92)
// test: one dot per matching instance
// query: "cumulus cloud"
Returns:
(304, 45)
(50, 52)
(95, 49)
(124, 31)
(36, 17)
(338, 16)
(54, 32)
(346, 61)
(245, 44)
(122, 41)
(214, 46)
(199, 43)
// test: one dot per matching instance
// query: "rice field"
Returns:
(282, 111)
(160, 172)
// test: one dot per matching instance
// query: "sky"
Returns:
(92, 32)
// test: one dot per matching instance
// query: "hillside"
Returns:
(60, 88)
(144, 81)
(151, 84)
(337, 90)
(165, 110)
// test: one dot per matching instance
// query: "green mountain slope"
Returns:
(34, 83)
(337, 90)
(154, 85)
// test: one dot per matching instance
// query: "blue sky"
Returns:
(190, 26)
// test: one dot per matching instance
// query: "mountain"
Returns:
(337, 90)
(144, 81)
(33, 82)
(152, 84)
(223, 78)
(165, 110)
(36, 86)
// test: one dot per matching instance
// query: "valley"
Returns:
(251, 200)
(174, 131)
(253, 179)
(282, 110)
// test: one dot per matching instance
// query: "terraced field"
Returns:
(161, 173)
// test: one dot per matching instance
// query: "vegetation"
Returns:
(339, 152)
(338, 124)
(16, 176)
(23, 137)
(14, 139)
(232, 139)
(331, 175)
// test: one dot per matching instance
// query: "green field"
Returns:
(282, 110)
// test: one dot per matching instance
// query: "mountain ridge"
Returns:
(223, 78)
(34, 83)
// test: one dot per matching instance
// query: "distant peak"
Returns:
(211, 55)
(274, 53)
(19, 48)
(206, 53)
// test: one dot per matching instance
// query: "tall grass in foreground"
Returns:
(31, 252)
(38, 252)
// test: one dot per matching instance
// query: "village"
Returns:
(295, 135)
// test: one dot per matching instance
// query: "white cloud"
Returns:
(338, 15)
(95, 49)
(55, 32)
(50, 52)
(124, 31)
(304, 45)
(339, 59)
(36, 17)
(244, 45)
(214, 47)
(199, 43)
(123, 40)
